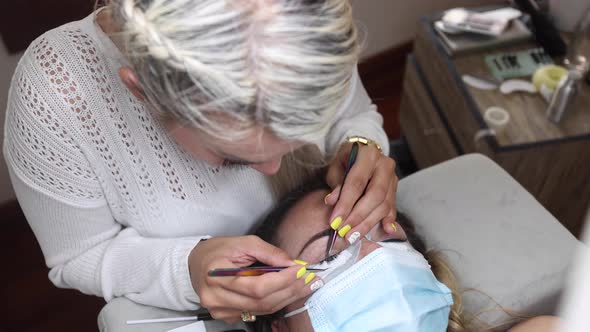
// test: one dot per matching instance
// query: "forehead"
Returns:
(260, 150)
(257, 144)
(306, 218)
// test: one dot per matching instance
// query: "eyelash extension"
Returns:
(331, 258)
(395, 240)
(325, 263)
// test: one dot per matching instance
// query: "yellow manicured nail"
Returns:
(394, 227)
(300, 262)
(326, 198)
(309, 278)
(344, 230)
(301, 272)
(336, 223)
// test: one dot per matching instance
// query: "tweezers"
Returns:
(250, 271)
(351, 160)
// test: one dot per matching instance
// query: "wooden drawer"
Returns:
(556, 174)
(427, 132)
(443, 118)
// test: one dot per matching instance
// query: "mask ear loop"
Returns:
(354, 251)
(296, 312)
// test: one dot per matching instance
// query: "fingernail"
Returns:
(317, 285)
(300, 262)
(309, 278)
(344, 230)
(326, 198)
(354, 237)
(301, 272)
(336, 223)
(394, 227)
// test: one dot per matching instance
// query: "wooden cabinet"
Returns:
(442, 118)
(425, 122)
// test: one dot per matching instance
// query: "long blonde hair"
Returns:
(459, 320)
(444, 274)
(283, 64)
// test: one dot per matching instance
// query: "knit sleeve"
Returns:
(62, 198)
(358, 116)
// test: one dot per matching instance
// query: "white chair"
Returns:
(498, 240)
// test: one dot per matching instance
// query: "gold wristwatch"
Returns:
(364, 141)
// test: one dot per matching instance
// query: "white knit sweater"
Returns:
(115, 204)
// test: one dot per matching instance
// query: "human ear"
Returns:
(131, 81)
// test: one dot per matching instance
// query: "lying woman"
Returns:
(388, 283)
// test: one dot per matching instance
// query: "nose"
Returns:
(269, 168)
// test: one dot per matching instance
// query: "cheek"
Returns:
(208, 157)
(190, 144)
(269, 168)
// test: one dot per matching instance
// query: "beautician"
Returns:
(141, 139)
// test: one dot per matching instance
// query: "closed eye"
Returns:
(235, 163)
(329, 259)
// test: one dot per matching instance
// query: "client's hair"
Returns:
(268, 232)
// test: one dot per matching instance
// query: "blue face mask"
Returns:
(391, 289)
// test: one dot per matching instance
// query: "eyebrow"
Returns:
(314, 238)
(236, 162)
(326, 233)
(232, 160)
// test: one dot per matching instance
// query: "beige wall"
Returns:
(387, 23)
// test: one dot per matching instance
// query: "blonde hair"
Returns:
(459, 321)
(444, 274)
(283, 64)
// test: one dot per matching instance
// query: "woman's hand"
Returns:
(368, 196)
(227, 297)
